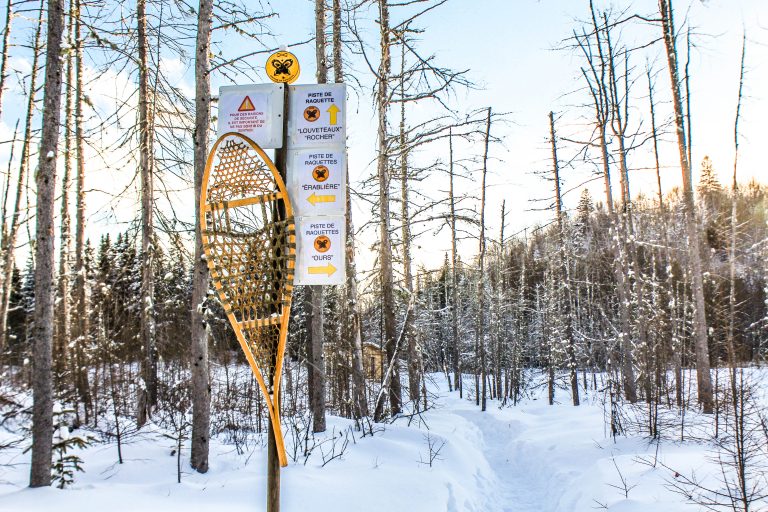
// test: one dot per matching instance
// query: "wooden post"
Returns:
(273, 471)
(273, 461)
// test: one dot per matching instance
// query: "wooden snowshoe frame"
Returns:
(248, 236)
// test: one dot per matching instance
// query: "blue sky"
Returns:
(509, 48)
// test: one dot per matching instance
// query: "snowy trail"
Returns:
(520, 465)
(498, 439)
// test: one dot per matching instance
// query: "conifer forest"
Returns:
(555, 291)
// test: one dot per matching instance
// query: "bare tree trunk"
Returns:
(703, 377)
(352, 327)
(456, 352)
(385, 244)
(480, 343)
(316, 362)
(619, 120)
(602, 99)
(734, 220)
(499, 308)
(62, 333)
(670, 296)
(564, 272)
(42, 408)
(410, 338)
(13, 229)
(201, 386)
(148, 394)
(81, 323)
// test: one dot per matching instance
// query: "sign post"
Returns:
(306, 126)
(282, 68)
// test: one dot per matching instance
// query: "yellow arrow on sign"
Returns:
(333, 110)
(328, 269)
(314, 199)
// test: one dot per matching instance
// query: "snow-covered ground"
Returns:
(511, 459)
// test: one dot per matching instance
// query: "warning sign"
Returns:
(320, 250)
(246, 105)
(255, 110)
(317, 181)
(317, 115)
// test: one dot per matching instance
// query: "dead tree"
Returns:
(456, 352)
(703, 377)
(675, 350)
(201, 387)
(352, 327)
(42, 408)
(733, 233)
(564, 273)
(316, 360)
(385, 243)
(148, 392)
(480, 328)
(81, 324)
(63, 328)
(596, 76)
(412, 348)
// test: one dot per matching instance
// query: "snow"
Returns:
(508, 459)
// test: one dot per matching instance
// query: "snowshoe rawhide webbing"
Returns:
(249, 241)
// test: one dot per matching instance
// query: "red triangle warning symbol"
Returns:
(246, 105)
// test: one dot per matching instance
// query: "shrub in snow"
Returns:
(65, 464)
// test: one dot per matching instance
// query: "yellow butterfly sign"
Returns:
(283, 67)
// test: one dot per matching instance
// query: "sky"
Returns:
(513, 53)
(512, 50)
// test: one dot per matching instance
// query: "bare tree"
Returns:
(734, 220)
(42, 408)
(316, 361)
(412, 349)
(703, 377)
(564, 276)
(81, 325)
(481, 284)
(385, 242)
(62, 331)
(201, 387)
(148, 394)
(597, 77)
(456, 351)
(352, 328)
